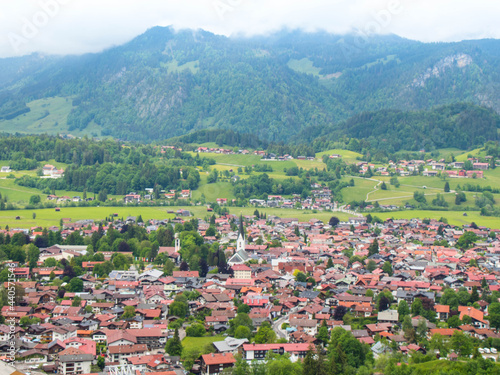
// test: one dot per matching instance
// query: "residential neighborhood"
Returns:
(395, 286)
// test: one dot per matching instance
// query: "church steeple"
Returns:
(241, 231)
(240, 243)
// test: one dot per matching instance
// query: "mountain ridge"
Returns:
(164, 83)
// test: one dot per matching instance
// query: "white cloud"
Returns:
(78, 26)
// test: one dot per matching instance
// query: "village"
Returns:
(393, 285)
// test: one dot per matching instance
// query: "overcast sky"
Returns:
(79, 26)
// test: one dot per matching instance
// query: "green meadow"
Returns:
(304, 66)
(190, 344)
(49, 216)
(454, 217)
(47, 116)
(347, 156)
(364, 190)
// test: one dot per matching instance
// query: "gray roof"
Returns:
(239, 257)
(76, 358)
(379, 347)
(229, 344)
(152, 273)
(308, 294)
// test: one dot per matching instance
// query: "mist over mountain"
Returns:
(164, 84)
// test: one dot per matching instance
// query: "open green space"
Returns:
(444, 152)
(232, 159)
(49, 216)
(214, 191)
(491, 178)
(310, 164)
(199, 343)
(17, 194)
(362, 186)
(305, 66)
(301, 215)
(465, 154)
(347, 156)
(454, 217)
(174, 67)
(47, 116)
(20, 195)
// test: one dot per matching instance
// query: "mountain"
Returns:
(164, 83)
(458, 125)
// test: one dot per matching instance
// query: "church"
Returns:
(240, 256)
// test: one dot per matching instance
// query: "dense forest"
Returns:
(96, 166)
(385, 132)
(166, 84)
(117, 178)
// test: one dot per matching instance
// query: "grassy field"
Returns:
(17, 194)
(465, 154)
(174, 67)
(48, 217)
(232, 159)
(214, 191)
(454, 217)
(364, 189)
(491, 178)
(199, 343)
(20, 195)
(357, 192)
(347, 156)
(310, 164)
(305, 66)
(46, 116)
(301, 215)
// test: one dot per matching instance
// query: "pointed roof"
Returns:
(239, 257)
(241, 230)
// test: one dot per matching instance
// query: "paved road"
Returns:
(182, 333)
(277, 327)
(25, 367)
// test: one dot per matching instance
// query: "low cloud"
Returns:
(78, 26)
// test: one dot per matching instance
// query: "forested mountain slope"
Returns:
(164, 84)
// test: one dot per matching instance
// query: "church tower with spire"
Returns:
(240, 242)
(240, 256)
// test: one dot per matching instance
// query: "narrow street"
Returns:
(277, 327)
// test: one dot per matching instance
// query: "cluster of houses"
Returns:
(321, 198)
(134, 197)
(66, 199)
(429, 168)
(265, 155)
(49, 171)
(217, 150)
(69, 339)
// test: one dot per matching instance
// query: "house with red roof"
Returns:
(476, 315)
(215, 363)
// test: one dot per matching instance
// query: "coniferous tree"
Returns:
(323, 333)
(203, 268)
(321, 363)
(309, 365)
(174, 345)
(329, 264)
(474, 297)
(373, 248)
